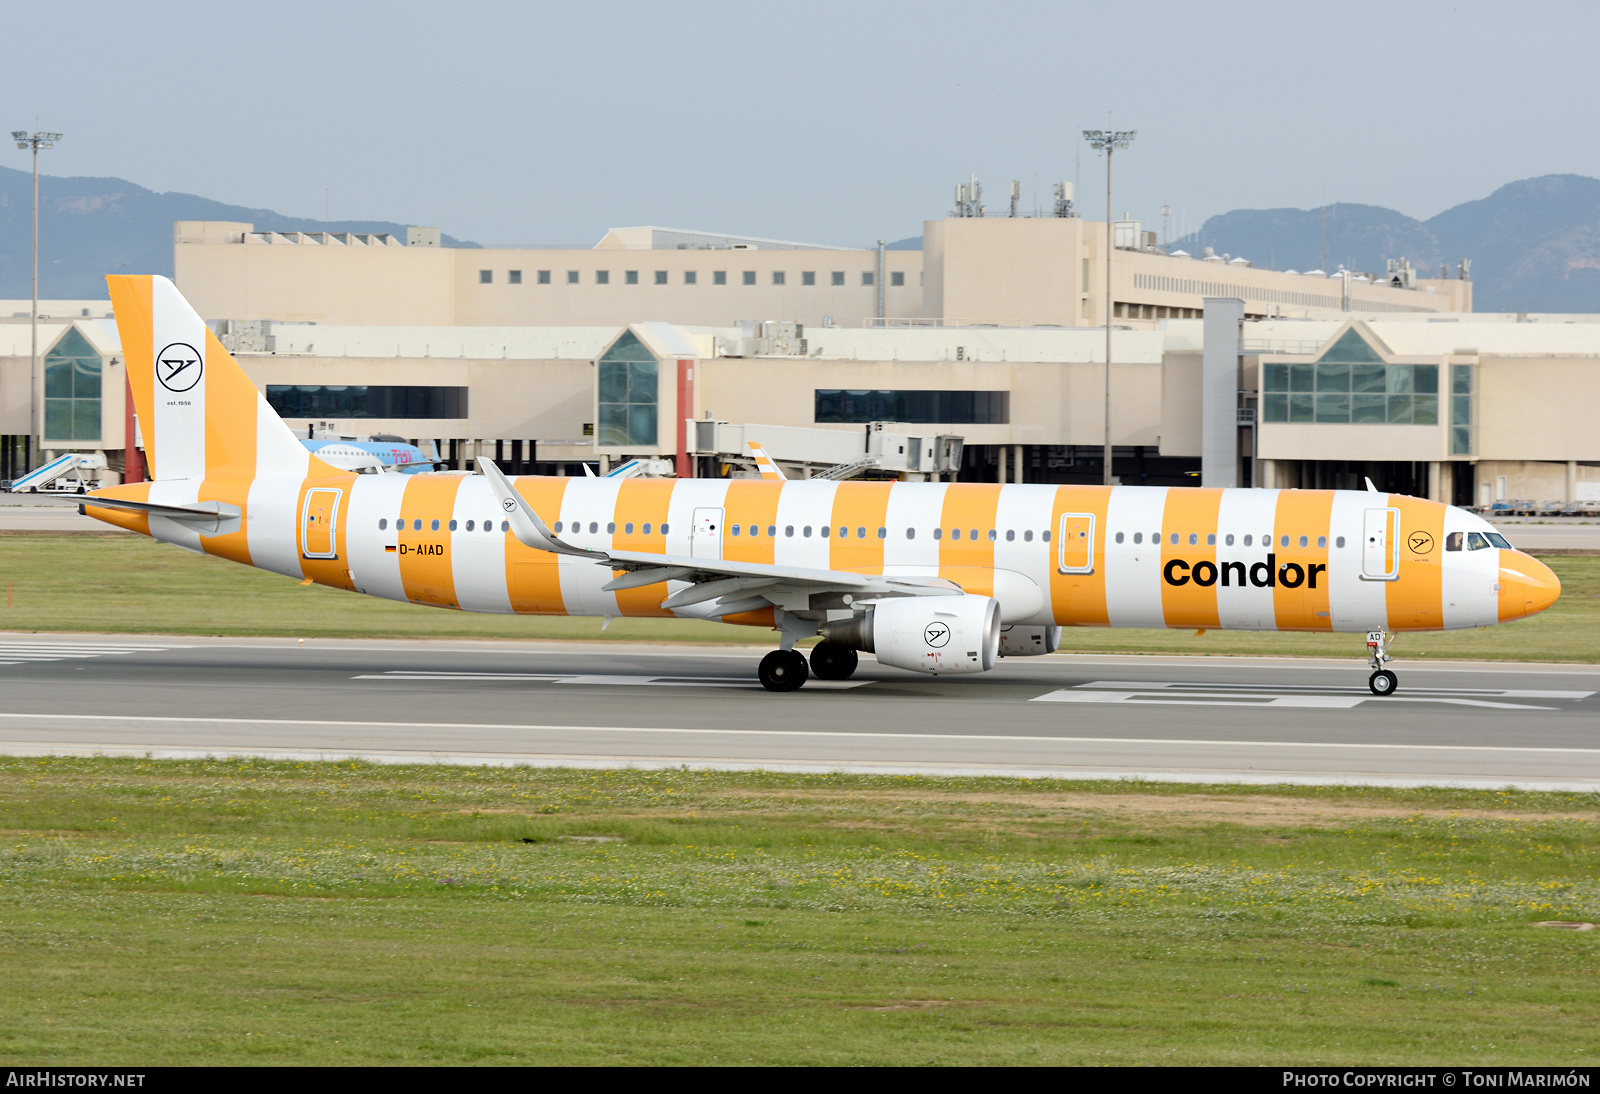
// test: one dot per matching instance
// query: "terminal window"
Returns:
(897, 280)
(627, 388)
(690, 277)
(866, 278)
(602, 277)
(514, 276)
(572, 277)
(1341, 392)
(544, 277)
(777, 277)
(661, 277)
(485, 277)
(808, 277)
(719, 277)
(374, 401)
(72, 390)
(749, 277)
(631, 277)
(1460, 410)
(915, 407)
(838, 277)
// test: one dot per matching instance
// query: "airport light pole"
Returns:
(35, 141)
(1108, 141)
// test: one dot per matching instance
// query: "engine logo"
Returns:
(936, 634)
(179, 366)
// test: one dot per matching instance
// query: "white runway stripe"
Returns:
(1305, 696)
(606, 680)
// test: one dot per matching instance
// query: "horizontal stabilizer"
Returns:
(202, 516)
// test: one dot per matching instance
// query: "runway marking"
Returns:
(824, 733)
(23, 653)
(605, 680)
(1302, 696)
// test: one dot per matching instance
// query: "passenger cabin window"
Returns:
(558, 526)
(1339, 542)
(938, 533)
(1119, 536)
(1027, 536)
(1303, 541)
(611, 528)
(1138, 537)
(1247, 540)
(383, 522)
(471, 525)
(806, 532)
(435, 526)
(452, 526)
(1322, 541)
(594, 527)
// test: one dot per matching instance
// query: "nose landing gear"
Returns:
(1382, 681)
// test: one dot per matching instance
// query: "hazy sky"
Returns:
(818, 121)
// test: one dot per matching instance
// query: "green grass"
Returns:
(188, 912)
(130, 584)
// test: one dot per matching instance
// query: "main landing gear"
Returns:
(831, 661)
(1382, 681)
(783, 670)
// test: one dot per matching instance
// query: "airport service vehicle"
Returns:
(373, 455)
(937, 578)
(52, 478)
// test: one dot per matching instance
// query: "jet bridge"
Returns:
(888, 449)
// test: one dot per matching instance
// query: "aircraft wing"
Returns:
(738, 586)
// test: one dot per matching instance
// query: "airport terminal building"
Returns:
(980, 357)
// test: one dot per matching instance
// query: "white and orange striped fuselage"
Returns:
(1124, 556)
(805, 557)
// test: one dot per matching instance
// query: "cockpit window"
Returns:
(1500, 541)
(1453, 541)
(1476, 541)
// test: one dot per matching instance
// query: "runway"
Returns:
(595, 704)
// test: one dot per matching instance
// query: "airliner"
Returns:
(374, 455)
(934, 578)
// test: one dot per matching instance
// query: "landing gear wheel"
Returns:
(831, 661)
(1383, 682)
(782, 670)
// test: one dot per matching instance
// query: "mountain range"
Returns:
(90, 227)
(1534, 245)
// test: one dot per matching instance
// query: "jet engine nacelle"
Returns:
(1029, 641)
(940, 635)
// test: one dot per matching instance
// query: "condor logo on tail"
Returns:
(1263, 575)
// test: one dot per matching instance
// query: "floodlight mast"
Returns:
(1108, 141)
(35, 141)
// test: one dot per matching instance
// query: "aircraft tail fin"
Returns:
(764, 464)
(199, 414)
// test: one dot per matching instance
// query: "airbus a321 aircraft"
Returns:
(935, 578)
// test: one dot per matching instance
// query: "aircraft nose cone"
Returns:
(1527, 585)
